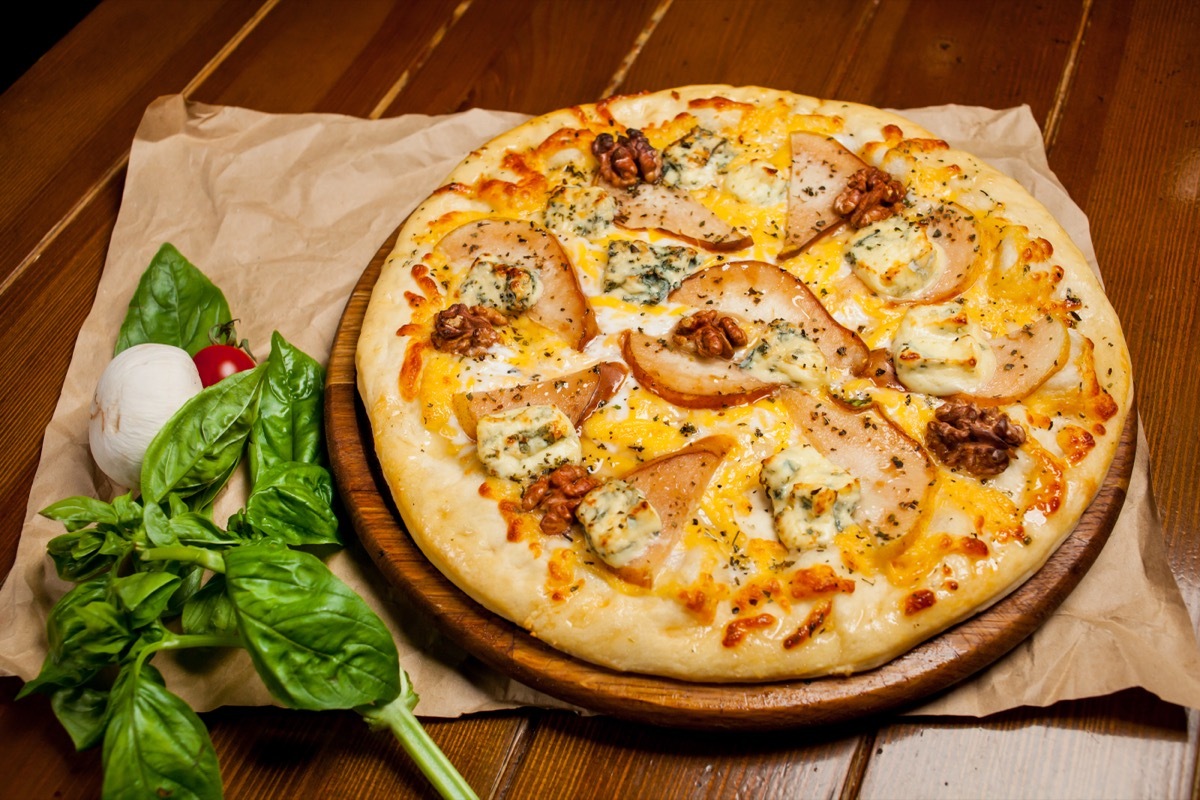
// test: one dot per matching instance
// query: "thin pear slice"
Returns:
(764, 292)
(894, 472)
(821, 168)
(953, 229)
(1024, 360)
(685, 380)
(562, 308)
(673, 485)
(652, 206)
(576, 394)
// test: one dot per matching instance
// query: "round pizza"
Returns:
(733, 384)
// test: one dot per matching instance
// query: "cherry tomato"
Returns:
(218, 361)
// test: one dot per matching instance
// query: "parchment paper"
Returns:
(284, 212)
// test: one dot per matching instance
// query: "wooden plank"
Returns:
(783, 44)
(918, 54)
(311, 55)
(1131, 746)
(1129, 151)
(641, 761)
(525, 56)
(78, 107)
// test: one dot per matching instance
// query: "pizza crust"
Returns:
(463, 519)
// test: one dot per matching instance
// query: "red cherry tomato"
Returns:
(218, 361)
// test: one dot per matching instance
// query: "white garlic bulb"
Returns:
(139, 391)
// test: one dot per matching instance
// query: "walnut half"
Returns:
(870, 195)
(558, 494)
(709, 335)
(466, 330)
(976, 440)
(627, 160)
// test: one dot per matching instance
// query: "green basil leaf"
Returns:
(313, 641)
(174, 304)
(201, 444)
(85, 633)
(155, 746)
(82, 555)
(195, 528)
(293, 503)
(79, 512)
(210, 610)
(289, 424)
(129, 511)
(82, 710)
(158, 527)
(144, 595)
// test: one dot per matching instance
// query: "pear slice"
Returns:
(821, 168)
(764, 292)
(953, 229)
(673, 485)
(676, 213)
(687, 381)
(576, 394)
(1024, 360)
(562, 307)
(894, 472)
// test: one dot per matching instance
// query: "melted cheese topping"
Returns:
(620, 524)
(812, 499)
(508, 288)
(786, 354)
(894, 257)
(940, 351)
(522, 443)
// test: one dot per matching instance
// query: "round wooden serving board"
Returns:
(935, 665)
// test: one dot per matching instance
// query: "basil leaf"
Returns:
(85, 633)
(174, 304)
(155, 746)
(195, 528)
(293, 503)
(83, 555)
(201, 444)
(79, 512)
(83, 712)
(158, 529)
(144, 595)
(314, 642)
(129, 511)
(210, 610)
(289, 424)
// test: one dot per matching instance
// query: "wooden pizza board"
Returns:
(932, 667)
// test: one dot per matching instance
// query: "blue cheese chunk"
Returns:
(812, 499)
(644, 273)
(522, 443)
(620, 524)
(785, 354)
(895, 257)
(586, 211)
(696, 160)
(508, 288)
(938, 350)
(757, 183)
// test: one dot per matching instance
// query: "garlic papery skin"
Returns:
(139, 391)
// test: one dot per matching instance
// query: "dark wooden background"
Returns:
(1115, 86)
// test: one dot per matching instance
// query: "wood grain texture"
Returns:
(931, 667)
(532, 56)
(777, 43)
(99, 98)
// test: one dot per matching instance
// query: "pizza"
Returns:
(732, 384)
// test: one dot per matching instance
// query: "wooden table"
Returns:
(1114, 85)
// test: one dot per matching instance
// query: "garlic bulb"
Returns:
(139, 391)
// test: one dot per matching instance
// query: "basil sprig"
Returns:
(148, 568)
